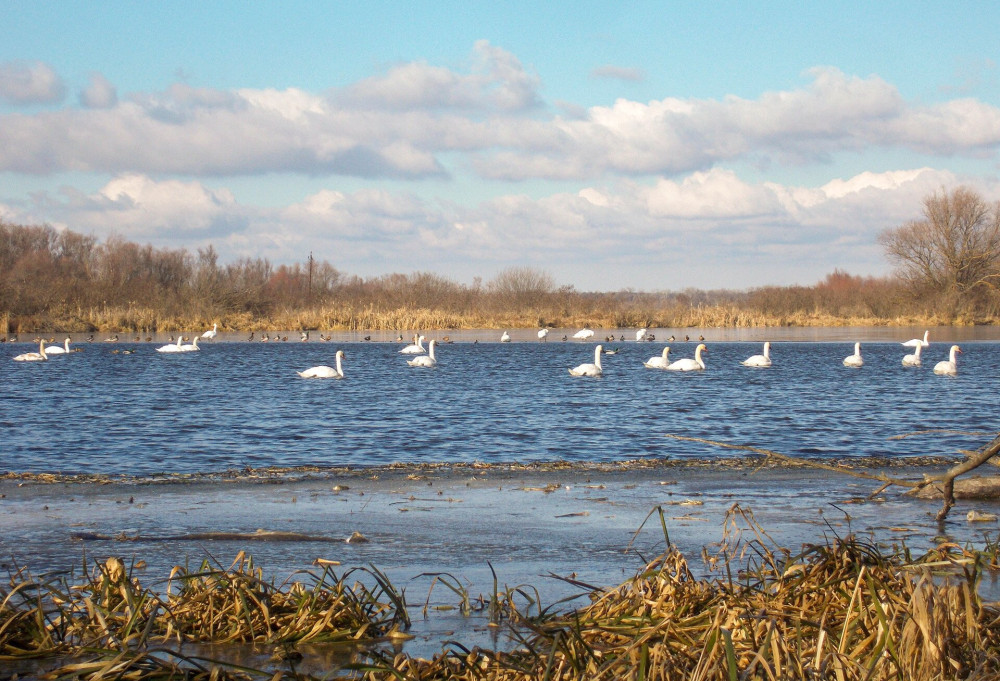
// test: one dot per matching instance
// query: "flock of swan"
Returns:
(426, 357)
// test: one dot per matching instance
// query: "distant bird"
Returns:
(914, 359)
(916, 342)
(505, 338)
(688, 364)
(583, 334)
(304, 336)
(671, 339)
(854, 361)
(564, 337)
(367, 338)
(324, 371)
(39, 356)
(427, 361)
(660, 361)
(593, 370)
(417, 348)
(950, 366)
(112, 339)
(640, 335)
(209, 335)
(250, 338)
(543, 334)
(399, 338)
(762, 361)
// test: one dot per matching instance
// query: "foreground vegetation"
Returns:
(64, 281)
(842, 610)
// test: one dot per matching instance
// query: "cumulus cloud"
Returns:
(99, 93)
(625, 73)
(30, 83)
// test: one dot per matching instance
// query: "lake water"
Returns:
(236, 404)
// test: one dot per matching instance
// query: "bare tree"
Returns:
(954, 249)
(521, 287)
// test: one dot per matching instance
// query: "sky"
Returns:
(654, 146)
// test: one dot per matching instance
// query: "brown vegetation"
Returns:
(59, 280)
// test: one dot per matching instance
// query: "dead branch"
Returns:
(981, 456)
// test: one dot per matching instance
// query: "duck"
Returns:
(59, 349)
(762, 361)
(688, 364)
(417, 348)
(588, 369)
(913, 360)
(949, 367)
(583, 334)
(917, 342)
(505, 337)
(427, 361)
(304, 336)
(640, 335)
(39, 356)
(660, 361)
(543, 334)
(854, 361)
(112, 339)
(324, 371)
(212, 333)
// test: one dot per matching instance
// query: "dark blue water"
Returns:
(234, 405)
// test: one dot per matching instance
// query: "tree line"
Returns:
(947, 271)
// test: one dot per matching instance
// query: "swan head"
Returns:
(701, 348)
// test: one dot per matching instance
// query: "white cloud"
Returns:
(30, 83)
(99, 93)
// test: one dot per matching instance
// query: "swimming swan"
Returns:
(39, 356)
(417, 348)
(192, 347)
(173, 347)
(211, 334)
(59, 349)
(427, 361)
(916, 342)
(950, 366)
(762, 361)
(854, 360)
(914, 359)
(688, 364)
(658, 362)
(594, 369)
(324, 371)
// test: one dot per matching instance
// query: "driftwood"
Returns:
(942, 486)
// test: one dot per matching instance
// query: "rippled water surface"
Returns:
(236, 404)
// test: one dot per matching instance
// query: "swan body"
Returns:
(588, 369)
(416, 348)
(324, 371)
(914, 359)
(949, 367)
(59, 349)
(427, 361)
(762, 361)
(688, 364)
(211, 334)
(543, 334)
(854, 361)
(640, 335)
(917, 343)
(172, 347)
(505, 338)
(192, 347)
(39, 356)
(658, 362)
(583, 334)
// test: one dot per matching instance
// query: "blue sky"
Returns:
(614, 145)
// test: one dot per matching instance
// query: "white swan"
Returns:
(505, 338)
(854, 360)
(428, 360)
(762, 361)
(192, 347)
(417, 348)
(640, 335)
(543, 334)
(916, 342)
(588, 369)
(173, 347)
(324, 371)
(688, 364)
(658, 362)
(949, 367)
(914, 359)
(59, 349)
(39, 356)
(211, 334)
(583, 334)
